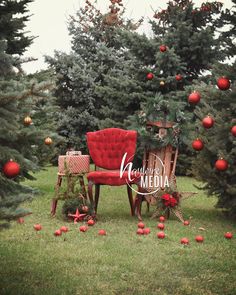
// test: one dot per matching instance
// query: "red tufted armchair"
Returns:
(107, 148)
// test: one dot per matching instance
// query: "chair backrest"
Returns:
(108, 146)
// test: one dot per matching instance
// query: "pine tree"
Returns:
(219, 140)
(94, 84)
(182, 48)
(17, 95)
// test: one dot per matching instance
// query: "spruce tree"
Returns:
(219, 140)
(182, 48)
(95, 88)
(17, 94)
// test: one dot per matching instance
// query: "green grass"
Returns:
(121, 262)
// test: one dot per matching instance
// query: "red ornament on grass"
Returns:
(20, 220)
(11, 169)
(186, 222)
(83, 228)
(57, 233)
(207, 122)
(141, 225)
(233, 130)
(228, 235)
(150, 76)
(64, 229)
(199, 239)
(162, 219)
(223, 83)
(163, 48)
(184, 241)
(161, 226)
(102, 232)
(146, 231)
(194, 97)
(178, 77)
(161, 235)
(221, 165)
(197, 144)
(140, 231)
(90, 222)
(37, 227)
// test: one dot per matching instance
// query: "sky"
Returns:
(49, 24)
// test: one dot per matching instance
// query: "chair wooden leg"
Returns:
(137, 206)
(97, 193)
(131, 201)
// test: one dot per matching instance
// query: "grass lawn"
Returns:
(121, 262)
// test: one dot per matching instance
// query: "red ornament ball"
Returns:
(199, 239)
(223, 83)
(140, 231)
(184, 241)
(90, 222)
(141, 225)
(178, 77)
(233, 130)
(207, 122)
(161, 226)
(37, 227)
(64, 229)
(57, 233)
(161, 235)
(20, 220)
(221, 165)
(194, 97)
(146, 231)
(228, 235)
(150, 76)
(197, 144)
(11, 169)
(163, 48)
(186, 222)
(83, 228)
(102, 232)
(162, 219)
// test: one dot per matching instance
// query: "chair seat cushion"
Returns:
(112, 177)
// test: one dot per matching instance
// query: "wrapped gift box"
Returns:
(74, 163)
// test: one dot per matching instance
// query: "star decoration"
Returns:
(77, 216)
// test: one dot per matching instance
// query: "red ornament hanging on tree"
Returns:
(197, 144)
(233, 130)
(194, 97)
(150, 76)
(11, 169)
(163, 48)
(223, 83)
(221, 165)
(178, 77)
(207, 122)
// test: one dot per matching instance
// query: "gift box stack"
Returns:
(73, 162)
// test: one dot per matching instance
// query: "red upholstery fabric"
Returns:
(108, 146)
(112, 177)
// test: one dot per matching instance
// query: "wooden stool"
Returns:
(71, 165)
